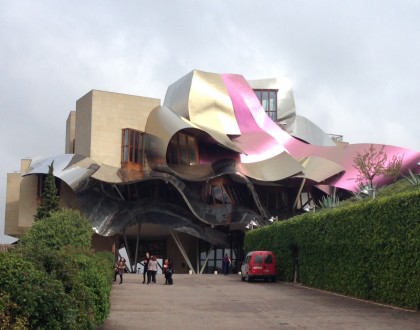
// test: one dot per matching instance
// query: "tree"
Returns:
(50, 201)
(370, 164)
(394, 167)
(373, 163)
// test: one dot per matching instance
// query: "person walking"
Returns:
(169, 272)
(226, 262)
(121, 264)
(152, 270)
(115, 271)
(164, 269)
(145, 265)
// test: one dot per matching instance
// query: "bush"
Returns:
(9, 316)
(65, 227)
(87, 277)
(53, 280)
(32, 295)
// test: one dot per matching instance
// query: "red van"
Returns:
(259, 265)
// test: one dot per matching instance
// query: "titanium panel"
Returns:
(202, 98)
(74, 170)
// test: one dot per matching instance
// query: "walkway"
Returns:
(225, 302)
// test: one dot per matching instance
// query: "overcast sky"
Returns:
(354, 65)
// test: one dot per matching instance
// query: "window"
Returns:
(268, 259)
(223, 191)
(258, 259)
(182, 150)
(132, 146)
(212, 260)
(268, 99)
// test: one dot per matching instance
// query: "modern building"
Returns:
(185, 179)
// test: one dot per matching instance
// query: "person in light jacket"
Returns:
(152, 270)
(120, 269)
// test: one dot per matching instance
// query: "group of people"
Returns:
(150, 268)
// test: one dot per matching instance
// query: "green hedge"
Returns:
(369, 250)
(53, 280)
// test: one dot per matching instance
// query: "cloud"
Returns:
(354, 64)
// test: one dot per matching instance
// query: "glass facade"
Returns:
(215, 258)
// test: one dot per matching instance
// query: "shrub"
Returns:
(9, 317)
(59, 282)
(368, 249)
(87, 277)
(64, 227)
(32, 297)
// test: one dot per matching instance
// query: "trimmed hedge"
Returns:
(369, 250)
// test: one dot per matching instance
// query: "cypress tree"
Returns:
(50, 201)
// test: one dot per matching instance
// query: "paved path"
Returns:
(225, 302)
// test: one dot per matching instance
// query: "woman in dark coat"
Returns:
(168, 273)
(145, 268)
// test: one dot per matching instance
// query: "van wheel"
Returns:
(274, 279)
(242, 278)
(249, 279)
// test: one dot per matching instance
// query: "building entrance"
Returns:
(211, 258)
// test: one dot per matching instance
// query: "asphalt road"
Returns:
(225, 302)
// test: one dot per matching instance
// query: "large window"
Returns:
(183, 150)
(222, 191)
(268, 99)
(215, 258)
(132, 147)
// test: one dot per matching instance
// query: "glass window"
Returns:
(226, 198)
(217, 195)
(269, 259)
(125, 136)
(264, 100)
(125, 154)
(173, 152)
(272, 100)
(268, 100)
(132, 148)
(183, 150)
(258, 259)
(258, 93)
(191, 150)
